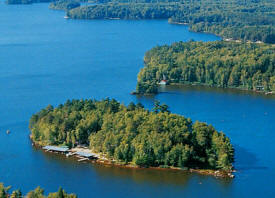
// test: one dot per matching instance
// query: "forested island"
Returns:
(245, 20)
(37, 193)
(133, 135)
(222, 64)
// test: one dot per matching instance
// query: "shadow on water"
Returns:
(138, 175)
(246, 160)
(179, 89)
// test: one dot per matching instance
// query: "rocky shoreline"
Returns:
(103, 160)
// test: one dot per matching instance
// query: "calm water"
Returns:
(47, 60)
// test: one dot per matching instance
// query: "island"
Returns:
(37, 193)
(133, 136)
(246, 20)
(249, 66)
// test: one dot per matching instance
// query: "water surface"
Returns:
(46, 59)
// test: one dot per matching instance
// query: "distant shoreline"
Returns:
(228, 88)
(177, 23)
(267, 93)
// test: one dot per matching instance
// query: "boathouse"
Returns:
(58, 149)
(86, 155)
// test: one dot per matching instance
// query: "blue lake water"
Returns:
(45, 59)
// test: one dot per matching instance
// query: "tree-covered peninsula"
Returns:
(252, 20)
(37, 193)
(133, 135)
(221, 64)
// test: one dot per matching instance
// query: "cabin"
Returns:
(228, 39)
(163, 81)
(56, 149)
(259, 88)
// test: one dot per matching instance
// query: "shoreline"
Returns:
(261, 92)
(177, 23)
(233, 88)
(216, 34)
(102, 160)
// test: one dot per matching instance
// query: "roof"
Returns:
(56, 148)
(84, 154)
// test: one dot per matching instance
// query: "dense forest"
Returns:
(64, 5)
(220, 63)
(251, 20)
(133, 135)
(37, 193)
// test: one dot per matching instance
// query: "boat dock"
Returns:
(57, 149)
(82, 153)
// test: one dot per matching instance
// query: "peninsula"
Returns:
(231, 19)
(132, 135)
(249, 66)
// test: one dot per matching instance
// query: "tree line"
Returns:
(37, 193)
(133, 135)
(221, 64)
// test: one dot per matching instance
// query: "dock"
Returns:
(82, 153)
(57, 149)
(86, 155)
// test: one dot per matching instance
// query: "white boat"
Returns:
(66, 17)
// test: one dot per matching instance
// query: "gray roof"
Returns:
(56, 148)
(84, 154)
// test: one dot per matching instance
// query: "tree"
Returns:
(16, 194)
(36, 193)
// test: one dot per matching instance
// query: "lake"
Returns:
(46, 59)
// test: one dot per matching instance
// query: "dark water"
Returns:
(45, 59)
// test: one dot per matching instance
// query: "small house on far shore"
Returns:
(163, 82)
(259, 88)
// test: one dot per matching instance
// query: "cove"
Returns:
(47, 60)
